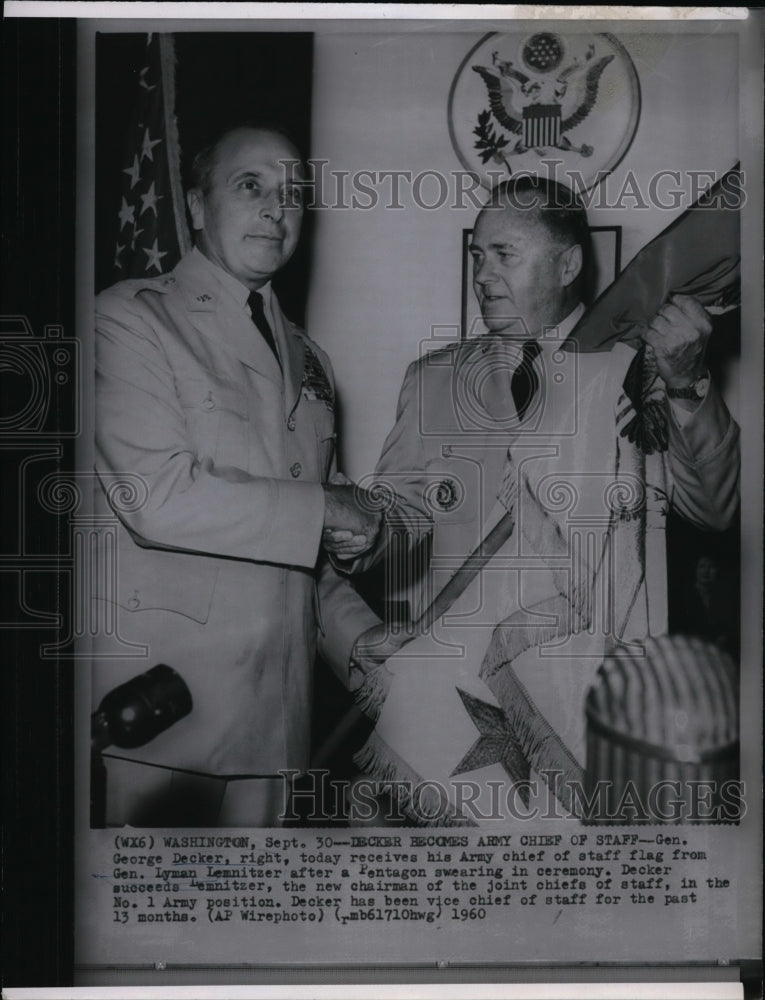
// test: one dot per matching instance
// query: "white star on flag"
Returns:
(134, 172)
(154, 255)
(117, 252)
(148, 146)
(126, 214)
(150, 200)
(136, 234)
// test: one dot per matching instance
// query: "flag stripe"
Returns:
(541, 125)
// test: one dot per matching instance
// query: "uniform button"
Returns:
(208, 403)
(296, 469)
(291, 422)
(134, 602)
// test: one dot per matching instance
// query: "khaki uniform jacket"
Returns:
(217, 547)
(446, 455)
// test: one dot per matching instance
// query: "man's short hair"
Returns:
(556, 207)
(203, 164)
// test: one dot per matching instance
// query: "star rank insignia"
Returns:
(496, 744)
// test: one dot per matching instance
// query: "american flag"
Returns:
(150, 229)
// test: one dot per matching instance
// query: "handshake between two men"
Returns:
(352, 523)
(352, 518)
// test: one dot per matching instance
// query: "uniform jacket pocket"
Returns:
(147, 579)
(217, 419)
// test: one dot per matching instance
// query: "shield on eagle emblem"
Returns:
(545, 102)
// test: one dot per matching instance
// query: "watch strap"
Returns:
(696, 390)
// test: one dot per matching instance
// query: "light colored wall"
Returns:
(385, 279)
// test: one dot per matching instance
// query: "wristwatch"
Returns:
(696, 390)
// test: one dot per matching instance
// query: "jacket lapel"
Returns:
(292, 350)
(484, 375)
(213, 312)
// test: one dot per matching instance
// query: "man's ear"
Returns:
(196, 202)
(571, 264)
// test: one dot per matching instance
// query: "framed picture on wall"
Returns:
(606, 262)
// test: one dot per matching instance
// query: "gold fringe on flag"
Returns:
(417, 799)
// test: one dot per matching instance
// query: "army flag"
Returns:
(698, 254)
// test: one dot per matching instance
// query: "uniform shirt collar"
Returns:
(239, 292)
(553, 337)
(564, 328)
(268, 297)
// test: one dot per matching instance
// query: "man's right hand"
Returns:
(351, 520)
(375, 646)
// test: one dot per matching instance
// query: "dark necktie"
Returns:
(255, 302)
(525, 381)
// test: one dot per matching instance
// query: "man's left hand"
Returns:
(678, 335)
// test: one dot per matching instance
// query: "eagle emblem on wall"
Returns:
(536, 96)
(541, 109)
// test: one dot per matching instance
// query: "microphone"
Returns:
(142, 708)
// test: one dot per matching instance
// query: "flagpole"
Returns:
(167, 65)
(373, 690)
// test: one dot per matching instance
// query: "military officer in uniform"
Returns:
(462, 406)
(223, 411)
(507, 441)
